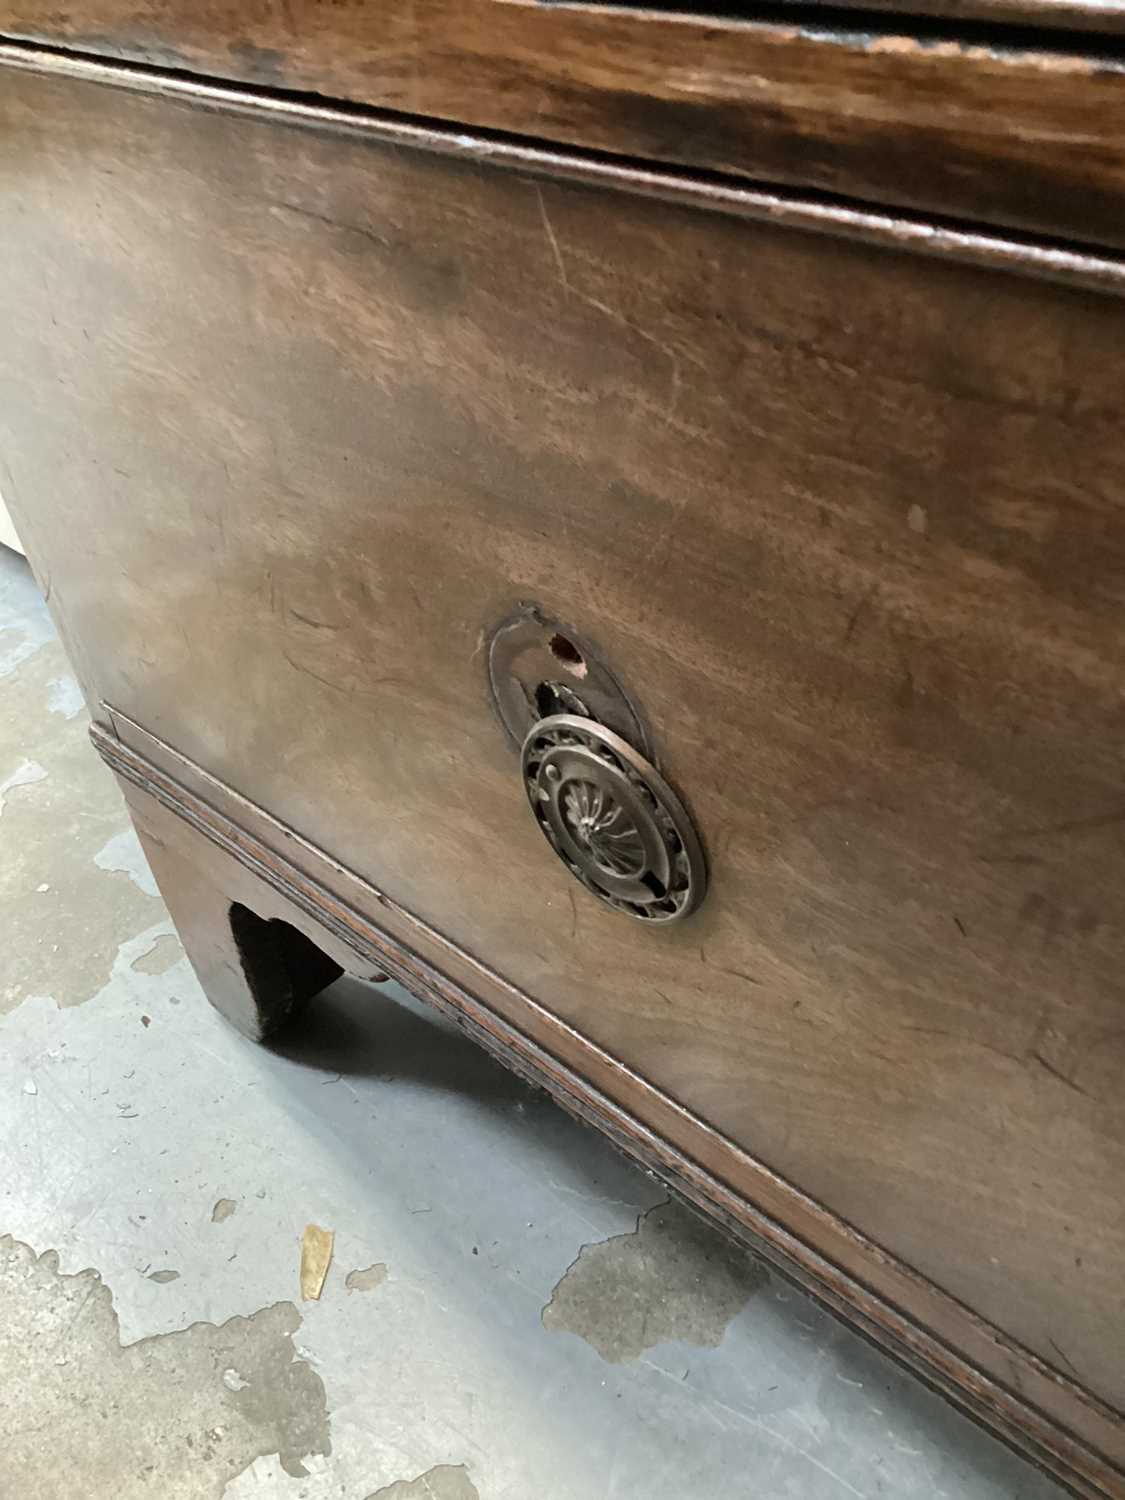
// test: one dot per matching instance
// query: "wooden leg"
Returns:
(257, 971)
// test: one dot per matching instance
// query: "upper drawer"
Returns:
(977, 125)
(294, 420)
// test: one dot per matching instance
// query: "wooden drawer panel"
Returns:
(297, 419)
(995, 127)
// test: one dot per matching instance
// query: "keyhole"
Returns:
(567, 654)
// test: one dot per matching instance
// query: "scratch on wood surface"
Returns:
(669, 353)
(725, 969)
(613, 313)
(858, 612)
(553, 241)
(308, 672)
(279, 205)
(1057, 1073)
(309, 620)
(966, 1041)
(1069, 1363)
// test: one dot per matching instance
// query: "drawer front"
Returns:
(1023, 132)
(293, 421)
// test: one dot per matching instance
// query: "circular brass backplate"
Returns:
(538, 666)
(612, 819)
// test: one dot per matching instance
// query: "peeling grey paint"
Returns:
(158, 1417)
(122, 854)
(223, 1210)
(445, 1482)
(25, 625)
(16, 646)
(165, 951)
(64, 696)
(674, 1277)
(19, 643)
(64, 920)
(26, 774)
(366, 1280)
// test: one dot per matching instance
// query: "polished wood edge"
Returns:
(1033, 1410)
(1105, 17)
(1069, 265)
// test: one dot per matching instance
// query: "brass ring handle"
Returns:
(612, 819)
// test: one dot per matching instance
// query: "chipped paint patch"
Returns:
(15, 648)
(64, 922)
(122, 854)
(674, 1277)
(25, 625)
(64, 696)
(165, 951)
(366, 1280)
(152, 1418)
(18, 645)
(24, 621)
(26, 774)
(223, 1210)
(445, 1482)
(162, 1278)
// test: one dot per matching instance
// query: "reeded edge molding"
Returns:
(1012, 1416)
(1067, 264)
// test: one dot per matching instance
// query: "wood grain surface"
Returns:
(289, 421)
(986, 128)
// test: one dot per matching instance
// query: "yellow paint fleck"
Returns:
(316, 1257)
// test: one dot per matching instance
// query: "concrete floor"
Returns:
(511, 1312)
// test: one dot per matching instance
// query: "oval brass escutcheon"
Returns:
(612, 819)
(538, 667)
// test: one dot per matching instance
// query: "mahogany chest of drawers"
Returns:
(615, 518)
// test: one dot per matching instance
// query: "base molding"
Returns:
(1037, 1409)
